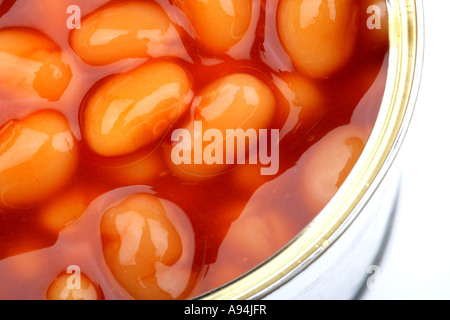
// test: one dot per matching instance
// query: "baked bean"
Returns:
(219, 24)
(131, 110)
(253, 237)
(68, 287)
(129, 29)
(38, 156)
(237, 101)
(137, 168)
(326, 165)
(66, 207)
(30, 61)
(305, 100)
(320, 36)
(140, 244)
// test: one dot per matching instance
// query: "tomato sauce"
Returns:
(227, 224)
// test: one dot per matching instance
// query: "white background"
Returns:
(416, 264)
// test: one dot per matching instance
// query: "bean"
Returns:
(218, 24)
(131, 110)
(32, 62)
(320, 36)
(38, 156)
(141, 245)
(129, 29)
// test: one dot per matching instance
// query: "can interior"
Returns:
(373, 164)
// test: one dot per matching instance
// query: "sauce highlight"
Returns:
(100, 190)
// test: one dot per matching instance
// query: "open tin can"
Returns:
(330, 258)
(335, 254)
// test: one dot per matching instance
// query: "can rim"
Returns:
(405, 61)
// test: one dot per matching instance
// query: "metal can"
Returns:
(334, 255)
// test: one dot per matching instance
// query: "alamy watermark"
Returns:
(73, 282)
(74, 20)
(216, 152)
(375, 273)
(374, 20)
(229, 149)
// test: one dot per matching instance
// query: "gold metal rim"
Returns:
(376, 158)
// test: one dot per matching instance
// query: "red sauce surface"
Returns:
(32, 256)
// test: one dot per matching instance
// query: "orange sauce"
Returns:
(227, 224)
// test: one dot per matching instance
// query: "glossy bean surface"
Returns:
(131, 110)
(232, 103)
(218, 24)
(319, 35)
(130, 29)
(140, 245)
(38, 156)
(32, 62)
